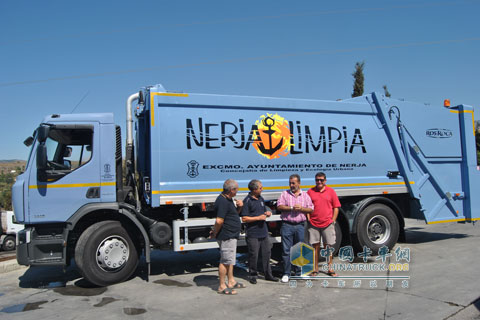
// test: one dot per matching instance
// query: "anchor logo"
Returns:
(272, 139)
(269, 123)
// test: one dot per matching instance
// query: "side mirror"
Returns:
(42, 133)
(28, 142)
(41, 157)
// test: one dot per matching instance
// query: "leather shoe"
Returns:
(253, 280)
(271, 278)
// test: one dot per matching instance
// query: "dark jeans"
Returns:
(291, 235)
(254, 247)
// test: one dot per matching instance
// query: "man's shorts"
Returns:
(228, 251)
(314, 235)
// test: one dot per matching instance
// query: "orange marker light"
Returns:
(168, 202)
(446, 103)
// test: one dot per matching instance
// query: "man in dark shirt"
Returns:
(254, 214)
(227, 230)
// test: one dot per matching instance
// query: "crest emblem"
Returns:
(192, 169)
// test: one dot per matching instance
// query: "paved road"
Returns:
(441, 283)
(7, 255)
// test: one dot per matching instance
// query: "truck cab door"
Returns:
(71, 177)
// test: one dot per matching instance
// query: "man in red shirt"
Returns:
(321, 222)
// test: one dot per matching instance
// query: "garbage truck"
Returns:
(81, 199)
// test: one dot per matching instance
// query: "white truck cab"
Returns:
(10, 228)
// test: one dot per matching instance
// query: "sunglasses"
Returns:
(321, 180)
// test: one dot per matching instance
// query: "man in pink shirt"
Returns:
(321, 222)
(294, 205)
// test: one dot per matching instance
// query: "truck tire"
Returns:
(377, 226)
(8, 243)
(338, 238)
(105, 254)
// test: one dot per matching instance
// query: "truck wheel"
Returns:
(338, 238)
(8, 243)
(105, 254)
(377, 227)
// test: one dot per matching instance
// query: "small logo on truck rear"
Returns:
(192, 169)
(439, 133)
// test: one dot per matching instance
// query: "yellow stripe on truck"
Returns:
(454, 220)
(72, 185)
(152, 107)
(285, 187)
(467, 111)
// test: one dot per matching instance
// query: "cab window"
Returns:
(67, 150)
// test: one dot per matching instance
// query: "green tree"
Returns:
(387, 93)
(358, 79)
(6, 199)
(6, 183)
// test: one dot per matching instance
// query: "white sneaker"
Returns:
(285, 279)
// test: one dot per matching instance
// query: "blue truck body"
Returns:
(387, 159)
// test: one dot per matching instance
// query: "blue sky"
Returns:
(89, 56)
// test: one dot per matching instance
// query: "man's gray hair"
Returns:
(229, 185)
(296, 176)
(253, 185)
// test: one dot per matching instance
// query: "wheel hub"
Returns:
(378, 229)
(9, 244)
(112, 253)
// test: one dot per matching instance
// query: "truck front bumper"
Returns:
(35, 249)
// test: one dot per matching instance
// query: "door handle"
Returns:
(93, 193)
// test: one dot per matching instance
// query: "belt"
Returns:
(293, 223)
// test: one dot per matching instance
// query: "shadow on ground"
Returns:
(176, 263)
(48, 277)
(476, 303)
(162, 263)
(414, 236)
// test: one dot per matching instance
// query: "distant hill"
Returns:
(13, 161)
(9, 165)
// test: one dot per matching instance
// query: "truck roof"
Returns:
(99, 117)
